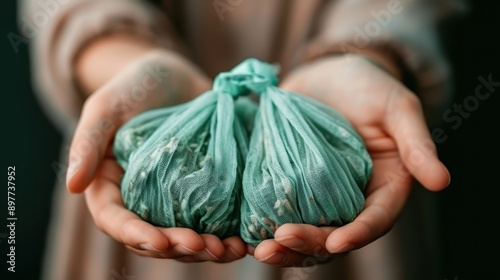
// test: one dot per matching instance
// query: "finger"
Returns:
(105, 205)
(186, 246)
(234, 249)
(214, 249)
(92, 136)
(183, 242)
(405, 122)
(385, 200)
(144, 253)
(250, 249)
(273, 253)
(306, 239)
(168, 254)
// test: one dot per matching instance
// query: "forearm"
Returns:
(403, 32)
(65, 64)
(385, 61)
(104, 57)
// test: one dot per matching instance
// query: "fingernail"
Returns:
(235, 254)
(268, 257)
(276, 258)
(71, 172)
(211, 254)
(231, 255)
(341, 248)
(148, 247)
(185, 250)
(292, 242)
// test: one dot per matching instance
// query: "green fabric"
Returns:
(224, 165)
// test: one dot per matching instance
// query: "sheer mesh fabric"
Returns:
(225, 165)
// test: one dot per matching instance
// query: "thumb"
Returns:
(406, 124)
(92, 137)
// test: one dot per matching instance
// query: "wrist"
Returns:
(102, 58)
(384, 61)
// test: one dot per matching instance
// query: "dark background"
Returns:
(467, 209)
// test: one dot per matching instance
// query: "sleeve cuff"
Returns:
(56, 45)
(409, 38)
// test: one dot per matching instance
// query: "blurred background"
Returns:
(467, 209)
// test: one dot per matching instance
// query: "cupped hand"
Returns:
(157, 79)
(389, 118)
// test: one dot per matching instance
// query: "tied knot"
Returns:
(250, 76)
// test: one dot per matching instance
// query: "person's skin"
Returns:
(109, 69)
(389, 118)
(386, 114)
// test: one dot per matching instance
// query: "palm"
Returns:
(389, 119)
(105, 203)
(98, 173)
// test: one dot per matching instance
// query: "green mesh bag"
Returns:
(306, 163)
(193, 166)
(183, 164)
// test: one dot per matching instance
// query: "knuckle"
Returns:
(97, 104)
(411, 102)
(139, 252)
(128, 229)
(98, 221)
(91, 102)
(100, 216)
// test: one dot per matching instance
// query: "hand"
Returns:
(390, 120)
(159, 78)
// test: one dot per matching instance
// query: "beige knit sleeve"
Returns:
(404, 29)
(57, 29)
